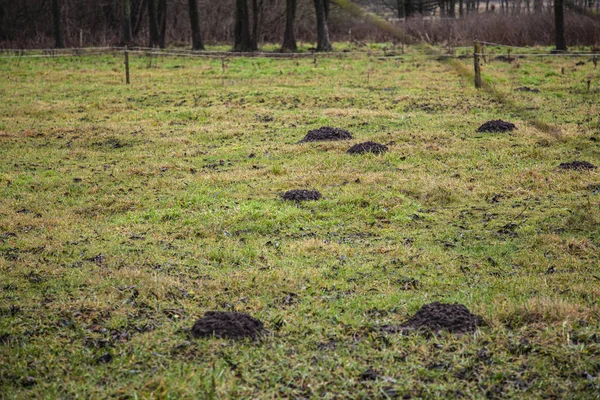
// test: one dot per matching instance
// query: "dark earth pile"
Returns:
(577, 165)
(301, 195)
(230, 325)
(326, 133)
(496, 125)
(436, 317)
(508, 59)
(368, 147)
(527, 89)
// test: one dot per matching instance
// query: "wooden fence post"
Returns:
(126, 65)
(476, 64)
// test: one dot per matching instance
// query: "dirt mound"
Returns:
(496, 125)
(326, 133)
(230, 325)
(527, 89)
(577, 165)
(436, 317)
(367, 147)
(301, 195)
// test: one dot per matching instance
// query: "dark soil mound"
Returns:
(368, 147)
(301, 195)
(326, 133)
(436, 316)
(496, 125)
(527, 89)
(231, 325)
(577, 165)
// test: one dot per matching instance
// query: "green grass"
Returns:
(126, 212)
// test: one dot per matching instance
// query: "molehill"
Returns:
(326, 133)
(229, 325)
(577, 165)
(436, 317)
(368, 147)
(496, 125)
(299, 195)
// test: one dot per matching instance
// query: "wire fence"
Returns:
(480, 52)
(36, 53)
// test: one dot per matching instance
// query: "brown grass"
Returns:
(543, 311)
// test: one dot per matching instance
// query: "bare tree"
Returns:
(195, 25)
(322, 11)
(408, 8)
(127, 34)
(2, 14)
(153, 22)
(289, 37)
(257, 9)
(559, 25)
(58, 38)
(400, 8)
(137, 14)
(242, 40)
(162, 20)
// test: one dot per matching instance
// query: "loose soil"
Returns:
(504, 59)
(577, 165)
(299, 195)
(496, 125)
(230, 325)
(454, 318)
(367, 147)
(527, 89)
(326, 133)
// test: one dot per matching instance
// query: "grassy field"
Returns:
(126, 212)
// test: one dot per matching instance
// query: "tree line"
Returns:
(246, 29)
(244, 23)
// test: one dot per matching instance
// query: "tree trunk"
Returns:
(400, 6)
(323, 43)
(242, 27)
(127, 32)
(58, 38)
(153, 22)
(195, 24)
(2, 13)
(289, 37)
(408, 8)
(537, 5)
(138, 18)
(257, 6)
(162, 20)
(559, 24)
(461, 10)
